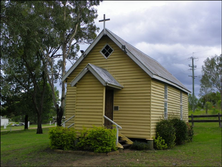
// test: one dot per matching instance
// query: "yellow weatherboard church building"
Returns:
(114, 79)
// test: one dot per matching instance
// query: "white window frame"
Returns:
(181, 106)
(103, 48)
(165, 102)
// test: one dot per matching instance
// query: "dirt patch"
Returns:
(69, 159)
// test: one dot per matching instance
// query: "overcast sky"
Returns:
(169, 32)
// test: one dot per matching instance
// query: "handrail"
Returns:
(71, 125)
(68, 119)
(117, 130)
(112, 121)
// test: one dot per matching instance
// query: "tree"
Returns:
(21, 38)
(192, 100)
(71, 23)
(45, 28)
(212, 76)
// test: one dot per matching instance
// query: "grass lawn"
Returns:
(26, 148)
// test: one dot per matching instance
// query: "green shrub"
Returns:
(166, 130)
(62, 138)
(139, 146)
(190, 132)
(97, 139)
(180, 129)
(159, 143)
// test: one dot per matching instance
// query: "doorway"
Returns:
(109, 108)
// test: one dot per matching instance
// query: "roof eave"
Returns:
(83, 55)
(170, 83)
(114, 86)
(98, 77)
(79, 76)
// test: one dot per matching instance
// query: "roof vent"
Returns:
(124, 48)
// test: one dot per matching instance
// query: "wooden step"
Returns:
(125, 146)
(124, 141)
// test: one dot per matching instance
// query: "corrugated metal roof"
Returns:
(153, 66)
(105, 78)
(148, 64)
(105, 75)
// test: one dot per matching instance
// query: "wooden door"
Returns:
(109, 108)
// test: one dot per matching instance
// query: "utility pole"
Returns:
(193, 77)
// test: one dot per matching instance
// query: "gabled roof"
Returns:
(148, 64)
(105, 78)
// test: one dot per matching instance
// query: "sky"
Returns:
(169, 32)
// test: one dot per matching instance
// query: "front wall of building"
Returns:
(89, 102)
(133, 100)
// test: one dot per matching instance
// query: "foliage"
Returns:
(159, 143)
(139, 146)
(166, 130)
(190, 132)
(70, 23)
(212, 76)
(32, 150)
(21, 62)
(191, 102)
(97, 139)
(62, 138)
(32, 34)
(180, 129)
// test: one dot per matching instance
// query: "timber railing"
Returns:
(192, 117)
(117, 128)
(63, 124)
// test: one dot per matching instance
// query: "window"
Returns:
(106, 51)
(165, 102)
(165, 110)
(181, 106)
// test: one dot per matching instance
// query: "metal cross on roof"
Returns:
(104, 20)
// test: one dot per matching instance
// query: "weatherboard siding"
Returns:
(157, 104)
(89, 102)
(185, 106)
(133, 100)
(173, 102)
(70, 104)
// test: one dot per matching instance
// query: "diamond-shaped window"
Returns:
(106, 51)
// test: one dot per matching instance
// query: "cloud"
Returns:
(197, 23)
(169, 32)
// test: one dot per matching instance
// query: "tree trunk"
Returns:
(59, 115)
(26, 122)
(39, 127)
(60, 110)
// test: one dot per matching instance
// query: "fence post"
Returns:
(219, 120)
(192, 120)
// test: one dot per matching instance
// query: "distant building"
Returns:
(4, 121)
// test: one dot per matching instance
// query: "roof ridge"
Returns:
(132, 46)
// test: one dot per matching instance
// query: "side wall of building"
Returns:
(173, 103)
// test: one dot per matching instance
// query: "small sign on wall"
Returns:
(116, 108)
